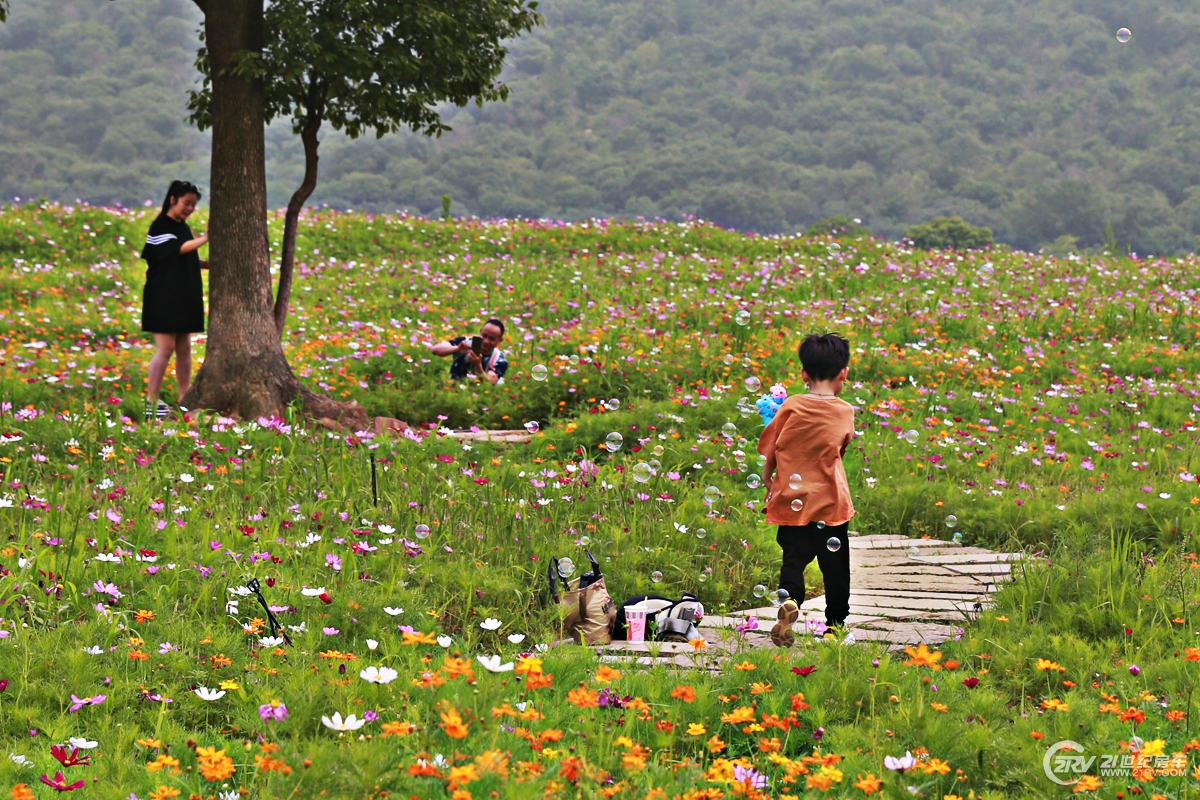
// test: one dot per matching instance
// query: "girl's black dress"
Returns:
(174, 298)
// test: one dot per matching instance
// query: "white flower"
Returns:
(1165, 495)
(204, 693)
(94, 650)
(492, 664)
(386, 541)
(232, 794)
(378, 675)
(906, 762)
(385, 529)
(82, 742)
(112, 558)
(301, 628)
(681, 528)
(23, 563)
(270, 641)
(186, 478)
(445, 641)
(317, 592)
(541, 648)
(351, 723)
(490, 624)
(372, 644)
(20, 760)
(240, 591)
(516, 638)
(393, 612)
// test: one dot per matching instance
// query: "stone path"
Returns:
(903, 591)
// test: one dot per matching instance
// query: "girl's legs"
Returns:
(183, 363)
(164, 346)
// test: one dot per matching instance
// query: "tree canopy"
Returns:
(1029, 119)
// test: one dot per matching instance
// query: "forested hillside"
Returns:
(1028, 117)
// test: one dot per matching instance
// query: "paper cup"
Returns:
(635, 623)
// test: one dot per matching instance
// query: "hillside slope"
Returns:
(1029, 117)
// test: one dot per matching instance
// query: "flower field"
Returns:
(1004, 399)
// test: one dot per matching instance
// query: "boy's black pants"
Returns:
(801, 544)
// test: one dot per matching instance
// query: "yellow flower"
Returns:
(1047, 666)
(230, 686)
(942, 707)
(1005, 619)
(696, 729)
(1054, 704)
(922, 656)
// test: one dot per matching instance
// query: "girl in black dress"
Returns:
(173, 304)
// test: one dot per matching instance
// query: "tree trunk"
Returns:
(291, 220)
(245, 373)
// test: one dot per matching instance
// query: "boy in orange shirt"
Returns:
(808, 495)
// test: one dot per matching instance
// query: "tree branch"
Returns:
(202, 5)
(314, 116)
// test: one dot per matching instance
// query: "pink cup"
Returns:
(635, 623)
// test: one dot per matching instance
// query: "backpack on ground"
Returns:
(585, 607)
(674, 620)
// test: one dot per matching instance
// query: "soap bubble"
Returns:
(729, 430)
(957, 537)
(747, 363)
(532, 426)
(729, 358)
(614, 441)
(914, 551)
(655, 465)
(573, 360)
(422, 531)
(742, 317)
(702, 577)
(951, 521)
(834, 249)
(987, 270)
(760, 591)
(584, 541)
(778, 596)
(711, 495)
(820, 524)
(739, 456)
(566, 567)
(753, 384)
(797, 504)
(753, 481)
(658, 450)
(701, 533)
(833, 544)
(1124, 35)
(761, 460)
(642, 472)
(656, 576)
(795, 481)
(612, 404)
(911, 436)
(539, 372)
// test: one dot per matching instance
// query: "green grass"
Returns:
(221, 501)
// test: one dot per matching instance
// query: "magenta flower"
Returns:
(274, 710)
(59, 783)
(79, 702)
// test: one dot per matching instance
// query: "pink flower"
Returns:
(274, 710)
(59, 783)
(673, 476)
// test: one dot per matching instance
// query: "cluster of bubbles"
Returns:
(422, 531)
(566, 567)
(613, 442)
(776, 597)
(742, 318)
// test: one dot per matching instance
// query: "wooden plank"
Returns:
(968, 558)
(861, 592)
(906, 633)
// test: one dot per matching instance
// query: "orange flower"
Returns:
(745, 666)
(418, 638)
(760, 688)
(164, 793)
(739, 716)
(138, 655)
(606, 674)
(22, 792)
(429, 680)
(1054, 704)
(144, 616)
(935, 765)
(698, 644)
(1191, 653)
(528, 666)
(1045, 665)
(551, 735)
(951, 664)
(942, 707)
(922, 656)
(397, 728)
(458, 667)
(1087, 783)
(1175, 715)
(770, 745)
(583, 697)
(869, 785)
(715, 745)
(570, 769)
(685, 693)
(164, 761)
(214, 765)
(453, 724)
(539, 681)
(1037, 734)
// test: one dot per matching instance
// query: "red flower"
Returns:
(805, 671)
(971, 683)
(325, 598)
(69, 758)
(59, 784)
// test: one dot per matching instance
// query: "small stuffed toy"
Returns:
(768, 405)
